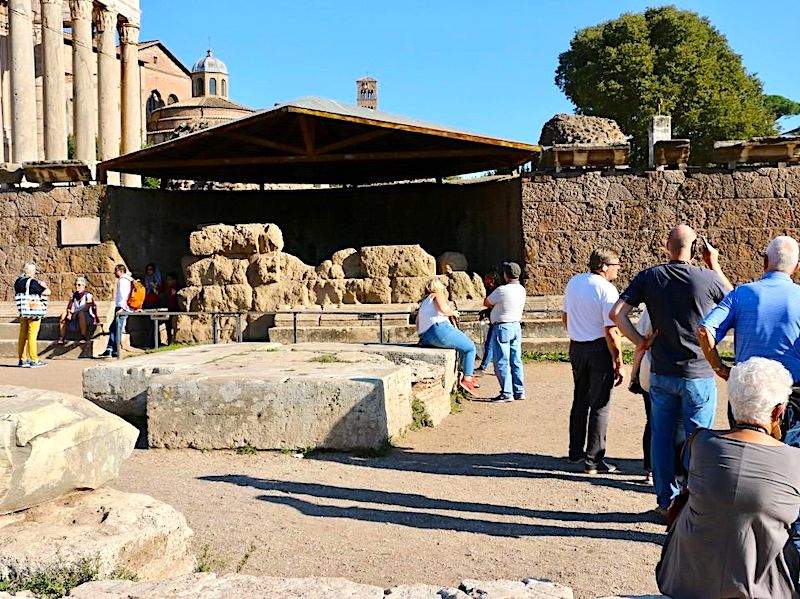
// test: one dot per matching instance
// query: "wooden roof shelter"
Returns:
(314, 140)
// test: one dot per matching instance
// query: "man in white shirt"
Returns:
(507, 303)
(596, 357)
(121, 295)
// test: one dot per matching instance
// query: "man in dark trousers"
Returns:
(596, 357)
(678, 295)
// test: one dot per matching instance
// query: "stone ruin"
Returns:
(270, 396)
(243, 268)
(580, 129)
(53, 447)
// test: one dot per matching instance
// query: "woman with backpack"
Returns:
(31, 297)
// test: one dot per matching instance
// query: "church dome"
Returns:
(209, 64)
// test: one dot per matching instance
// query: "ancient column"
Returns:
(84, 97)
(55, 109)
(131, 96)
(23, 85)
(108, 85)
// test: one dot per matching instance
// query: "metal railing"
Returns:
(157, 316)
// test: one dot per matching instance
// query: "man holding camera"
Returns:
(677, 295)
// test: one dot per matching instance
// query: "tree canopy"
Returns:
(665, 61)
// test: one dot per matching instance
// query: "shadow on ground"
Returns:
(519, 465)
(428, 520)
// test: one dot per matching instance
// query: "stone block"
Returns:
(223, 586)
(462, 286)
(529, 588)
(280, 399)
(225, 298)
(52, 443)
(367, 291)
(116, 531)
(397, 261)
(10, 173)
(282, 296)
(80, 230)
(217, 270)
(350, 261)
(410, 289)
(236, 239)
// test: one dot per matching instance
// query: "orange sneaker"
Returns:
(469, 386)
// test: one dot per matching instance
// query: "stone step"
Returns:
(72, 350)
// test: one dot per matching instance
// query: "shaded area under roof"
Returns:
(314, 140)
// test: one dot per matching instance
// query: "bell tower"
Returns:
(367, 93)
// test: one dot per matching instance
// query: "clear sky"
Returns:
(482, 66)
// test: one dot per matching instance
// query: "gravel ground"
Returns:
(485, 495)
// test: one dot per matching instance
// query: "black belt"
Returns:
(586, 343)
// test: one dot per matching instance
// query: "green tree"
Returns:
(781, 107)
(666, 61)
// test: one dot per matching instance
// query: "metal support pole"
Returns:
(239, 327)
(380, 326)
(214, 327)
(155, 331)
(294, 326)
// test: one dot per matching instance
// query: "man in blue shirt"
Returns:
(764, 314)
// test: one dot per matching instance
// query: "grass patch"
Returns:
(420, 416)
(325, 359)
(457, 399)
(54, 582)
(245, 557)
(170, 347)
(375, 452)
(246, 449)
(206, 562)
(305, 451)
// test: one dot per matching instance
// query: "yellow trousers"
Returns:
(28, 332)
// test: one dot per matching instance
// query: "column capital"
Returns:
(129, 33)
(81, 9)
(106, 19)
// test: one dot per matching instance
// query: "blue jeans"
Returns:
(507, 352)
(112, 330)
(674, 397)
(487, 348)
(446, 336)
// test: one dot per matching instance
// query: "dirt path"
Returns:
(485, 495)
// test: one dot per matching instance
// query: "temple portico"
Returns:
(106, 114)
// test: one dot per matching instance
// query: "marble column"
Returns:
(55, 107)
(84, 97)
(24, 140)
(108, 85)
(131, 96)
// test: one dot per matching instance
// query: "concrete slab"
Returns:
(334, 396)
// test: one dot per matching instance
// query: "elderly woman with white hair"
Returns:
(731, 539)
(435, 330)
(30, 296)
(81, 312)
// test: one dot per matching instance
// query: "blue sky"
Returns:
(483, 66)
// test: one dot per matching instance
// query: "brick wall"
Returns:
(564, 216)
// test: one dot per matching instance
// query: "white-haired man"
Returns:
(764, 314)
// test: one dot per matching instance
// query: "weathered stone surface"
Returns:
(409, 289)
(450, 261)
(52, 443)
(225, 298)
(121, 531)
(217, 270)
(217, 586)
(280, 296)
(424, 591)
(350, 261)
(462, 286)
(328, 270)
(236, 239)
(397, 261)
(574, 129)
(367, 291)
(530, 588)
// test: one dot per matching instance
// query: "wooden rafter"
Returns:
(351, 141)
(262, 142)
(307, 127)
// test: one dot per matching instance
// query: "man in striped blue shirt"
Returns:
(764, 314)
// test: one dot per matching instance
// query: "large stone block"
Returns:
(281, 296)
(397, 261)
(52, 443)
(236, 239)
(278, 267)
(410, 289)
(229, 586)
(367, 291)
(350, 261)
(116, 531)
(217, 270)
(225, 298)
(462, 286)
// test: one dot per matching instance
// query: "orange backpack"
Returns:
(136, 298)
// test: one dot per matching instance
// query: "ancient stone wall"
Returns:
(564, 216)
(481, 220)
(29, 231)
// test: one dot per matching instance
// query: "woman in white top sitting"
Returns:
(435, 330)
